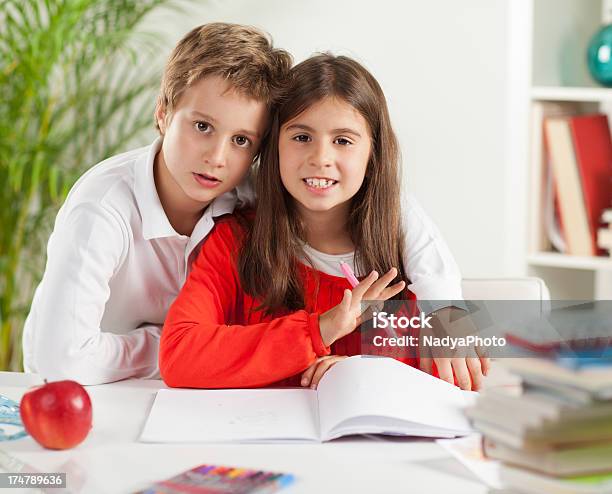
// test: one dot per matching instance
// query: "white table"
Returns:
(111, 460)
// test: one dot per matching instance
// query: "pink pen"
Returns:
(348, 273)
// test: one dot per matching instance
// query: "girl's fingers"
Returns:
(387, 277)
(364, 285)
(307, 374)
(392, 291)
(322, 368)
(377, 288)
(346, 300)
(347, 306)
(371, 289)
(473, 364)
(387, 293)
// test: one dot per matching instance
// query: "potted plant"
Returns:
(73, 91)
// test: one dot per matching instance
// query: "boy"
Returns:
(128, 231)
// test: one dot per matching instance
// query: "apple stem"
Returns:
(45, 381)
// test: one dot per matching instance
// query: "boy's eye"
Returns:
(342, 141)
(202, 126)
(242, 141)
(302, 138)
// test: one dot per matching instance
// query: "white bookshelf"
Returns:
(561, 30)
(556, 260)
(578, 94)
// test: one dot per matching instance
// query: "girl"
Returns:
(266, 299)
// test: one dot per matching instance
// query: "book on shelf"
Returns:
(359, 395)
(593, 149)
(580, 151)
(604, 235)
(546, 233)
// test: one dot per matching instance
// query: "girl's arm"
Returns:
(202, 348)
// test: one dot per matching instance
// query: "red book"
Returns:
(581, 154)
(593, 148)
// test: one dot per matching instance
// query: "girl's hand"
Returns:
(314, 373)
(346, 316)
(469, 371)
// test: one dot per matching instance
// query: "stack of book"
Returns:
(604, 235)
(554, 434)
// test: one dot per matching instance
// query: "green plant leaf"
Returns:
(61, 111)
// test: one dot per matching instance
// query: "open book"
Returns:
(359, 395)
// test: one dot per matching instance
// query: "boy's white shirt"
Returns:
(115, 265)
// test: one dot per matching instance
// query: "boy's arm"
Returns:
(86, 248)
(436, 281)
(201, 348)
(428, 262)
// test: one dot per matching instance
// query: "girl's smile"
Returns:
(319, 185)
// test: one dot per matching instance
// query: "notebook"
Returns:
(359, 395)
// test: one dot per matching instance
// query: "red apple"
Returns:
(57, 414)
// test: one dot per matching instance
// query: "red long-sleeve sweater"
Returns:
(214, 338)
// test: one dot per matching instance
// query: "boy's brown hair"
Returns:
(243, 55)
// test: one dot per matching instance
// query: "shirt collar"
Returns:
(155, 223)
(221, 205)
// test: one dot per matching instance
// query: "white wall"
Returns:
(443, 65)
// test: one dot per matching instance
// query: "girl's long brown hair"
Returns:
(268, 261)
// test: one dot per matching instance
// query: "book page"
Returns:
(384, 387)
(241, 415)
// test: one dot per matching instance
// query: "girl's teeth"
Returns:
(319, 183)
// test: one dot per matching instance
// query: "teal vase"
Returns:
(599, 56)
